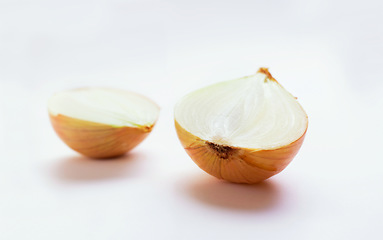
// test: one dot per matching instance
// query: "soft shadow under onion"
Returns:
(242, 197)
(80, 168)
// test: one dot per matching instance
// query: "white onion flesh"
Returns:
(252, 112)
(104, 105)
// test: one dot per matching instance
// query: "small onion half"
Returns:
(102, 122)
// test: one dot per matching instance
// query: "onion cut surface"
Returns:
(243, 130)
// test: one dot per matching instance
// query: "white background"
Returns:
(327, 53)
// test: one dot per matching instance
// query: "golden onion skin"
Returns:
(97, 140)
(234, 164)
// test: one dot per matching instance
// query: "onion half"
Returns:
(244, 130)
(102, 122)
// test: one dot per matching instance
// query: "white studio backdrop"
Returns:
(327, 53)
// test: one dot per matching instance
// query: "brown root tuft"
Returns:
(222, 151)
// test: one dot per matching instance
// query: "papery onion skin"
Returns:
(234, 164)
(97, 140)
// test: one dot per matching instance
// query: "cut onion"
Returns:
(244, 130)
(102, 122)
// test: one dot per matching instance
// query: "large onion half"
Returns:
(244, 130)
(102, 122)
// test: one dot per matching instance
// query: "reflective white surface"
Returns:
(327, 53)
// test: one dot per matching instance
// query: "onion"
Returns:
(244, 130)
(102, 122)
